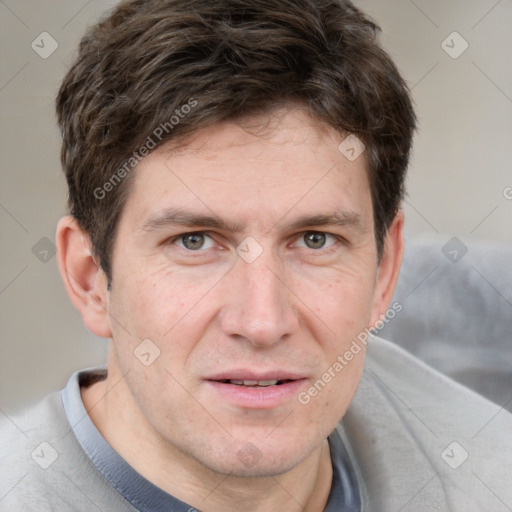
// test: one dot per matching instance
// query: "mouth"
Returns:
(257, 390)
(256, 378)
(256, 383)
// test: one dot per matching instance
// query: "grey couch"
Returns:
(456, 295)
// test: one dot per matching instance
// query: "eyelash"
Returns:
(337, 239)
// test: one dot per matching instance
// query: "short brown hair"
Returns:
(145, 61)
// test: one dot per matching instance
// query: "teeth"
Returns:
(262, 383)
(267, 382)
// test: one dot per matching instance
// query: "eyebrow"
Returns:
(337, 218)
(181, 217)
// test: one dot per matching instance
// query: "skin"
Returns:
(294, 307)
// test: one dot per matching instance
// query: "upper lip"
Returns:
(243, 374)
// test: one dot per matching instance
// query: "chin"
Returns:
(246, 460)
(233, 467)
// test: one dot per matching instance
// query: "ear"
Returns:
(83, 277)
(389, 268)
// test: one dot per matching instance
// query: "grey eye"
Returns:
(193, 241)
(315, 239)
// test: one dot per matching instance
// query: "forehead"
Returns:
(269, 163)
(271, 136)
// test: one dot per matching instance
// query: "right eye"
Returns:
(195, 241)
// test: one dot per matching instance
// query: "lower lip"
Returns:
(257, 397)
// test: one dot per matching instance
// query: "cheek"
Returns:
(167, 308)
(341, 299)
(330, 395)
(156, 300)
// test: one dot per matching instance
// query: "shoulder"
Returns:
(30, 446)
(43, 466)
(423, 441)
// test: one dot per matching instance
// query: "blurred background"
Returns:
(456, 58)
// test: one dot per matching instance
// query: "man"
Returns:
(235, 171)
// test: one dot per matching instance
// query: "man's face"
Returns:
(246, 257)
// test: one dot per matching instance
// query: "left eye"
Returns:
(194, 241)
(316, 240)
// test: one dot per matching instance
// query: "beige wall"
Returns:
(460, 170)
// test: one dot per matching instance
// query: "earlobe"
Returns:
(84, 280)
(389, 268)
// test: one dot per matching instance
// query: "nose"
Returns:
(258, 304)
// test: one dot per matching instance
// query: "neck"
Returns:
(305, 487)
